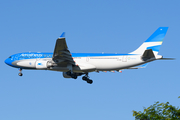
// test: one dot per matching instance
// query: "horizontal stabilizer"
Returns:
(167, 59)
(144, 65)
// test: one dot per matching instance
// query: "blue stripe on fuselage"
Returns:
(36, 55)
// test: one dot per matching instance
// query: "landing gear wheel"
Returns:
(74, 76)
(20, 74)
(89, 81)
(84, 78)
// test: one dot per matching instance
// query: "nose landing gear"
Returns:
(20, 72)
(86, 78)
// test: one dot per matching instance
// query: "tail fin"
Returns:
(154, 42)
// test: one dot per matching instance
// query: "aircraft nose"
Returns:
(8, 61)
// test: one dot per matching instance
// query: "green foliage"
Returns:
(158, 111)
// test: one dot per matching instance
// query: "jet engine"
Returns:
(65, 75)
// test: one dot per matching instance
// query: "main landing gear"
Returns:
(75, 75)
(20, 72)
(86, 78)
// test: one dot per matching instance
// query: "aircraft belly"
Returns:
(75, 69)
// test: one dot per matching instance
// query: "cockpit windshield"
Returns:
(10, 57)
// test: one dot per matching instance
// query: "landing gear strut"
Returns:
(86, 78)
(20, 72)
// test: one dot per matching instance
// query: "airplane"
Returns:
(73, 65)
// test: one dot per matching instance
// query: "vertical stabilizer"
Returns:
(154, 42)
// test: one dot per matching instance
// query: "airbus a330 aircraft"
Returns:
(76, 64)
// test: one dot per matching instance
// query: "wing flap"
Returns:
(85, 66)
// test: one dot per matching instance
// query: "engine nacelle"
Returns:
(65, 75)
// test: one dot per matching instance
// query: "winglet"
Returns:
(62, 35)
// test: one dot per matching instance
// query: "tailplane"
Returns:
(154, 42)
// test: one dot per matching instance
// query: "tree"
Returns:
(158, 111)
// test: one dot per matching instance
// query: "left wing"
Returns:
(62, 55)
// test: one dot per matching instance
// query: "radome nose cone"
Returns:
(8, 61)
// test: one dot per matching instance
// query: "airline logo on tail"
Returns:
(154, 42)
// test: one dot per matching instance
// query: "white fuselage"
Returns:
(76, 64)
(84, 64)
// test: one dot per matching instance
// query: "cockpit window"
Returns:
(10, 57)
